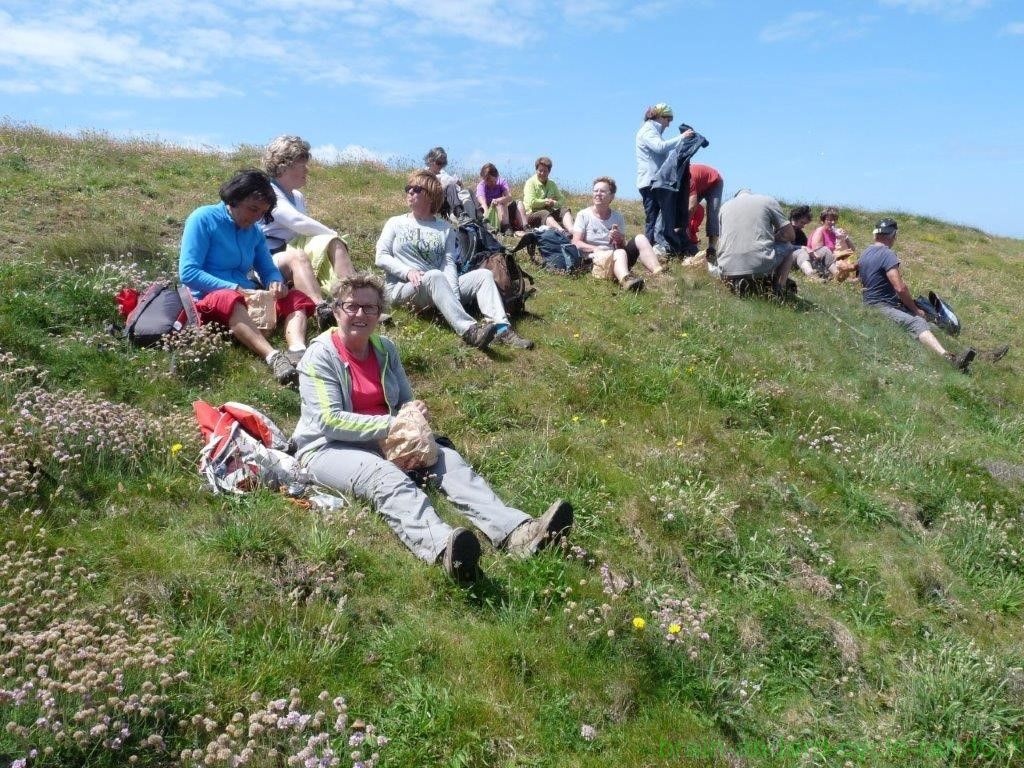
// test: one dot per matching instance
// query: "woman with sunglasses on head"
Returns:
(220, 247)
(352, 386)
(416, 250)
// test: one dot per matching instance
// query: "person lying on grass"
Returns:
(416, 250)
(600, 232)
(353, 390)
(220, 247)
(309, 254)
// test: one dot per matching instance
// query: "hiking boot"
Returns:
(962, 362)
(537, 533)
(295, 356)
(632, 283)
(283, 369)
(461, 556)
(325, 316)
(480, 335)
(994, 355)
(512, 339)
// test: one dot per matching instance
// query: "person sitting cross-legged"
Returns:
(600, 232)
(416, 250)
(353, 387)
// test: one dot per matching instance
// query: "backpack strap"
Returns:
(188, 303)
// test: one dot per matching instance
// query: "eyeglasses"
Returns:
(351, 308)
(414, 189)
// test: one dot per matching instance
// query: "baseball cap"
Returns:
(886, 227)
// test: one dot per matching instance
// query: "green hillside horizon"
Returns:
(798, 537)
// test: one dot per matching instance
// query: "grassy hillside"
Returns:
(798, 537)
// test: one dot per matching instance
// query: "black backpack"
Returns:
(553, 250)
(160, 311)
(478, 248)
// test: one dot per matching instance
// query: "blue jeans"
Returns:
(651, 211)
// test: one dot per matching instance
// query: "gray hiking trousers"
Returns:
(434, 291)
(361, 470)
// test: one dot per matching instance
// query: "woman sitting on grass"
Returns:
(220, 246)
(309, 254)
(416, 250)
(600, 233)
(830, 236)
(352, 385)
(500, 210)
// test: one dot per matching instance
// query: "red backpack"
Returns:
(244, 449)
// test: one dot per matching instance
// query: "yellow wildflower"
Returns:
(176, 447)
(674, 629)
(638, 622)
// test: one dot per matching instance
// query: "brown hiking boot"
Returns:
(537, 533)
(480, 335)
(632, 283)
(994, 355)
(512, 339)
(962, 362)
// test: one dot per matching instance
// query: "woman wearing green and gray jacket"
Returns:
(352, 386)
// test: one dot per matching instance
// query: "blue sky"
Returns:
(887, 104)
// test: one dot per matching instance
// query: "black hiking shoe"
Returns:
(480, 335)
(632, 283)
(962, 362)
(325, 316)
(461, 556)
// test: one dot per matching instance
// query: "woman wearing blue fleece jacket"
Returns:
(220, 247)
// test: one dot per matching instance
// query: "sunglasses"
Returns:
(414, 189)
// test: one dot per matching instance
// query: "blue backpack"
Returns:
(553, 250)
(939, 312)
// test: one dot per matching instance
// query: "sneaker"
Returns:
(480, 335)
(283, 369)
(962, 362)
(512, 339)
(295, 356)
(632, 283)
(461, 556)
(994, 355)
(537, 533)
(325, 316)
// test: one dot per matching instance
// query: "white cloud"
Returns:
(950, 8)
(1013, 28)
(351, 153)
(793, 27)
(17, 86)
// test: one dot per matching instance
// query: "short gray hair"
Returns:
(345, 287)
(282, 153)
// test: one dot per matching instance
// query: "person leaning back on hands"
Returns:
(354, 394)
(220, 246)
(416, 250)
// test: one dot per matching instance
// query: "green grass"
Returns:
(820, 483)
